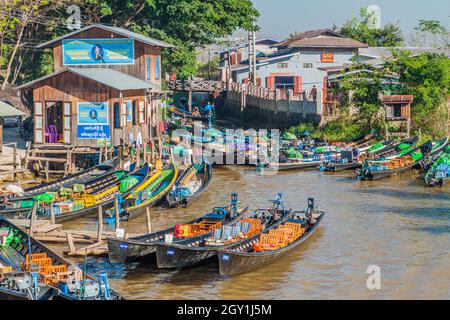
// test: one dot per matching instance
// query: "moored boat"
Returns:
(264, 248)
(439, 172)
(70, 204)
(34, 272)
(143, 247)
(374, 170)
(148, 194)
(199, 249)
(190, 185)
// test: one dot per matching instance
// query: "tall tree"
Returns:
(435, 29)
(358, 28)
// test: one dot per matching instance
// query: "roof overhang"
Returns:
(108, 77)
(7, 110)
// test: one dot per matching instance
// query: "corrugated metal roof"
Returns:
(386, 52)
(118, 30)
(109, 77)
(7, 110)
(321, 38)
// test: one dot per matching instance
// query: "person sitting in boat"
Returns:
(283, 158)
(196, 112)
(209, 108)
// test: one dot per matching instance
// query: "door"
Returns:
(67, 135)
(38, 123)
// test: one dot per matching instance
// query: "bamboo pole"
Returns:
(100, 224)
(52, 214)
(138, 155)
(116, 213)
(33, 215)
(149, 220)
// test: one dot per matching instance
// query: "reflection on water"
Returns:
(396, 223)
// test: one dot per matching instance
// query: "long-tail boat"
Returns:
(190, 185)
(199, 249)
(265, 247)
(31, 271)
(346, 161)
(144, 247)
(374, 170)
(69, 204)
(186, 114)
(81, 177)
(148, 194)
(439, 172)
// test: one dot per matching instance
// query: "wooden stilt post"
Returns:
(52, 214)
(116, 213)
(106, 150)
(100, 224)
(15, 161)
(121, 157)
(100, 153)
(149, 220)
(145, 153)
(70, 242)
(138, 155)
(47, 178)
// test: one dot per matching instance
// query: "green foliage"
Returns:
(427, 77)
(358, 28)
(188, 24)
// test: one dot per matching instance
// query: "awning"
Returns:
(109, 77)
(7, 110)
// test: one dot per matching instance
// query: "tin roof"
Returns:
(117, 30)
(109, 77)
(321, 38)
(386, 52)
(7, 110)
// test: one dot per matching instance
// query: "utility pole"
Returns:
(252, 57)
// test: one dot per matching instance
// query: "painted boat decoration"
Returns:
(148, 194)
(71, 204)
(31, 271)
(374, 170)
(439, 172)
(264, 248)
(144, 247)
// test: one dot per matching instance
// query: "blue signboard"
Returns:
(93, 120)
(93, 131)
(98, 51)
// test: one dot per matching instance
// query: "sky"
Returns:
(279, 18)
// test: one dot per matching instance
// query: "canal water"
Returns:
(396, 224)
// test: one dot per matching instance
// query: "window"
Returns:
(129, 111)
(156, 62)
(147, 73)
(141, 112)
(116, 115)
(135, 116)
(282, 65)
(123, 115)
(307, 65)
(38, 128)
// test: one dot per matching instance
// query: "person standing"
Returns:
(313, 93)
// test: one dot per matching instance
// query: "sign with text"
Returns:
(93, 120)
(97, 51)
(327, 57)
(93, 132)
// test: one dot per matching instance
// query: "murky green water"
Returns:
(396, 223)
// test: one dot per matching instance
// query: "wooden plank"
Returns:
(58, 160)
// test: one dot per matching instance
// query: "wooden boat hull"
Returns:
(70, 216)
(135, 211)
(206, 180)
(84, 176)
(234, 262)
(21, 247)
(294, 166)
(188, 115)
(143, 248)
(182, 255)
(334, 167)
(377, 175)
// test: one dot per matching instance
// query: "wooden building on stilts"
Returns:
(106, 86)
